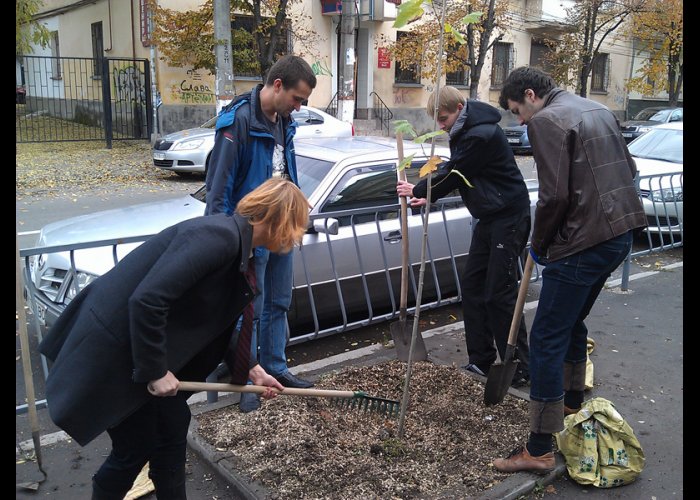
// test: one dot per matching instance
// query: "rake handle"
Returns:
(259, 389)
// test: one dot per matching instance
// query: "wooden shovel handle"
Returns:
(520, 302)
(403, 298)
(291, 391)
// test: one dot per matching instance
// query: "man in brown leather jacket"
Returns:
(587, 210)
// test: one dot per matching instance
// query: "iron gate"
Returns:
(83, 99)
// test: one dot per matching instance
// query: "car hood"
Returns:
(190, 133)
(639, 123)
(660, 169)
(135, 220)
(648, 166)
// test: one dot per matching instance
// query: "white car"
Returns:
(188, 151)
(659, 158)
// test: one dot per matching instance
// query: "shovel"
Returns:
(401, 331)
(501, 374)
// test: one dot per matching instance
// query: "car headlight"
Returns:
(641, 130)
(82, 280)
(192, 144)
(667, 195)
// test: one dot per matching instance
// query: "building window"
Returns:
(502, 63)
(540, 53)
(246, 64)
(459, 77)
(600, 75)
(97, 49)
(406, 73)
(55, 56)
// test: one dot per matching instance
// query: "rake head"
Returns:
(361, 401)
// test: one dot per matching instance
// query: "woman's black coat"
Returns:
(170, 304)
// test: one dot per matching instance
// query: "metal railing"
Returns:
(382, 113)
(442, 272)
(332, 108)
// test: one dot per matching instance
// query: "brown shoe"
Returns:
(520, 460)
(570, 411)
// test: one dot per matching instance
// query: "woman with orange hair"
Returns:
(165, 312)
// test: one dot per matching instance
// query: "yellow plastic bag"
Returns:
(600, 448)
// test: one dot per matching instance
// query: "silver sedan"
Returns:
(187, 151)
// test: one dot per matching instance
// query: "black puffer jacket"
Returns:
(479, 151)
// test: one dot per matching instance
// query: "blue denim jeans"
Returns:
(570, 287)
(273, 275)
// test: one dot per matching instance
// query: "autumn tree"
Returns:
(470, 26)
(28, 32)
(186, 38)
(657, 32)
(591, 22)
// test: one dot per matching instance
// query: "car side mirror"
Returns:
(325, 226)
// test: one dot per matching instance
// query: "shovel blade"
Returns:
(498, 381)
(401, 333)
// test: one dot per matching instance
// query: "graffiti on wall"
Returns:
(320, 68)
(128, 84)
(192, 90)
(407, 96)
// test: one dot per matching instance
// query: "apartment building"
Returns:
(186, 97)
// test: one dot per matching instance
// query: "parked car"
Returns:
(188, 151)
(648, 118)
(347, 269)
(659, 158)
(515, 133)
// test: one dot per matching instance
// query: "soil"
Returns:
(311, 448)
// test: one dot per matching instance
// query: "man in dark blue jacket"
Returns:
(483, 169)
(254, 142)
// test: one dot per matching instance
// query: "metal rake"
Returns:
(354, 400)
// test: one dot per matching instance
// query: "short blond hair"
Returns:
(282, 207)
(450, 97)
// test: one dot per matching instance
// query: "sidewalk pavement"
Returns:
(638, 365)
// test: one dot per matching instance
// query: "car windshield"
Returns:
(653, 115)
(659, 144)
(210, 123)
(509, 120)
(311, 172)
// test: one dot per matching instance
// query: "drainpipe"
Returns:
(627, 95)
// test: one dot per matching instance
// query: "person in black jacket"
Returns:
(483, 169)
(164, 313)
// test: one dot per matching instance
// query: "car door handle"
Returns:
(393, 237)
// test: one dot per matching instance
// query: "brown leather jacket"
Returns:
(586, 176)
